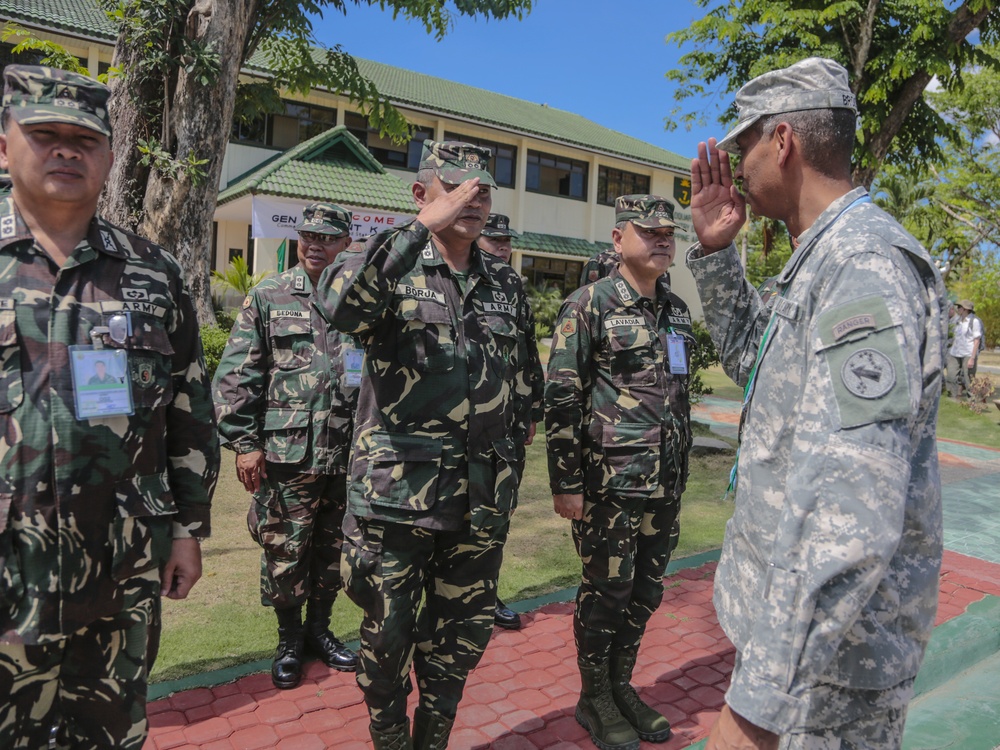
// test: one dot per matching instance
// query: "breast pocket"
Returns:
(292, 344)
(503, 348)
(11, 386)
(633, 358)
(150, 361)
(426, 338)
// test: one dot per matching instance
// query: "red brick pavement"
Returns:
(523, 694)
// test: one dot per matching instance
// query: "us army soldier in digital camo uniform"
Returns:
(617, 418)
(101, 513)
(285, 404)
(433, 476)
(828, 580)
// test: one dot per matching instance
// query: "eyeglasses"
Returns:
(312, 238)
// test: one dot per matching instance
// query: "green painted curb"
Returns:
(960, 643)
(215, 677)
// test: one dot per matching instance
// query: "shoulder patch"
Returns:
(568, 327)
(868, 373)
(247, 301)
(853, 323)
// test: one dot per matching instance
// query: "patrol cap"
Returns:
(36, 94)
(498, 225)
(966, 304)
(813, 83)
(455, 162)
(324, 218)
(646, 211)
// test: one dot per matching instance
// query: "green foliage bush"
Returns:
(703, 355)
(213, 341)
(545, 303)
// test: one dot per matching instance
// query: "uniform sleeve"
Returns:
(863, 410)
(356, 296)
(192, 441)
(535, 375)
(735, 316)
(565, 394)
(241, 379)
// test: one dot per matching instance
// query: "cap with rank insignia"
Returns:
(646, 211)
(37, 94)
(455, 162)
(325, 218)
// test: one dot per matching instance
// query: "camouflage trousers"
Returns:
(388, 569)
(624, 548)
(87, 690)
(296, 519)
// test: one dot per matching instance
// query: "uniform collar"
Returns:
(100, 235)
(301, 283)
(823, 222)
(623, 290)
(430, 256)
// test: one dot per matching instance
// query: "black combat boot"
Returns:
(286, 669)
(430, 731)
(505, 617)
(319, 638)
(649, 724)
(597, 713)
(393, 738)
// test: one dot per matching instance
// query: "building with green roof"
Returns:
(557, 173)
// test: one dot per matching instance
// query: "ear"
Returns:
(4, 164)
(784, 142)
(419, 193)
(616, 239)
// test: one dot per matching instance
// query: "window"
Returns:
(614, 182)
(299, 122)
(556, 175)
(502, 162)
(564, 275)
(387, 153)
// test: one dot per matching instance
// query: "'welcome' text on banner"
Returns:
(274, 219)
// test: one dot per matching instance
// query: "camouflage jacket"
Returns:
(828, 577)
(89, 509)
(617, 420)
(444, 385)
(281, 386)
(599, 266)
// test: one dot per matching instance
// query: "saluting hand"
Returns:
(717, 208)
(442, 212)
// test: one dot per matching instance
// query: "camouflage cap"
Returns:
(36, 94)
(324, 218)
(455, 162)
(646, 211)
(966, 304)
(813, 83)
(498, 225)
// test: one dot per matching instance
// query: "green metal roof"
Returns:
(332, 166)
(402, 87)
(551, 243)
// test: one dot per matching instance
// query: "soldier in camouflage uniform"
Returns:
(102, 503)
(496, 240)
(828, 579)
(617, 417)
(434, 473)
(599, 266)
(285, 399)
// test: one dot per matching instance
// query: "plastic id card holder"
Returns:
(676, 355)
(101, 384)
(353, 363)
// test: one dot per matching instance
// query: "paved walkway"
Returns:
(522, 695)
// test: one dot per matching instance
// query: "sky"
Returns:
(603, 59)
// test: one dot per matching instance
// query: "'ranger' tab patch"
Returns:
(636, 320)
(853, 323)
(417, 292)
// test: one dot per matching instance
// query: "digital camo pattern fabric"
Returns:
(281, 383)
(445, 382)
(827, 583)
(617, 421)
(89, 509)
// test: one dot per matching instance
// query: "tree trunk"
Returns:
(121, 202)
